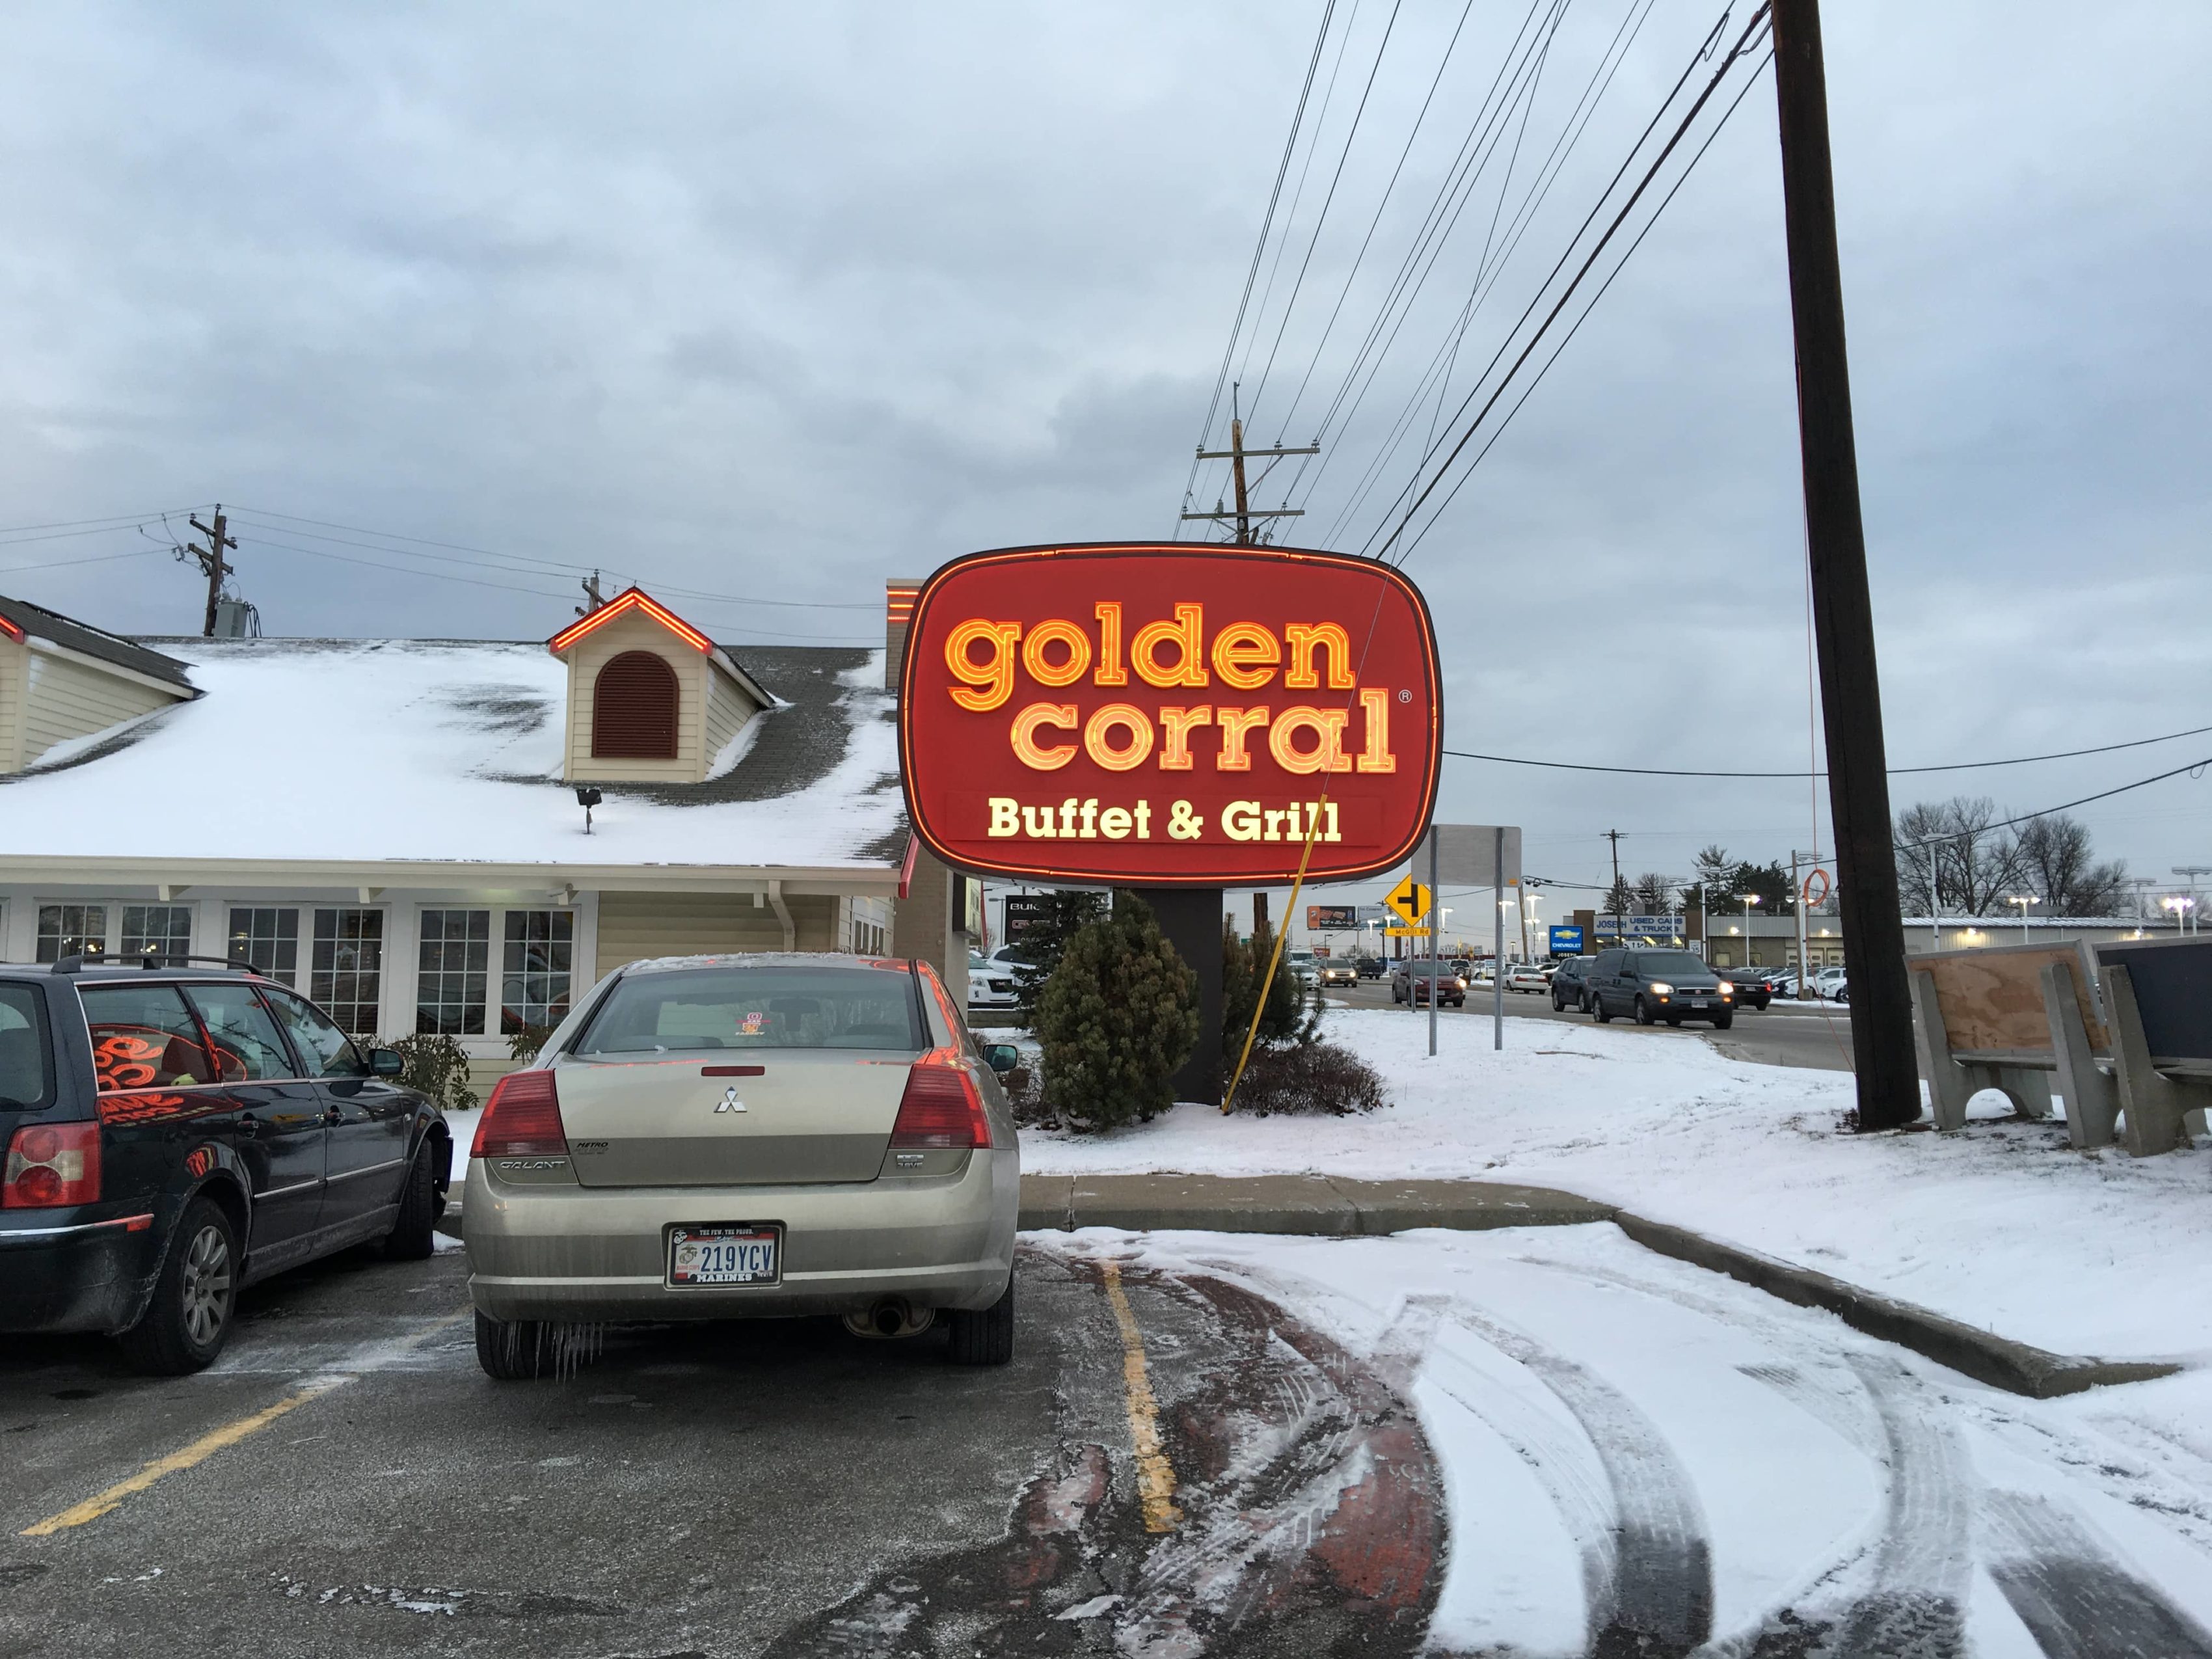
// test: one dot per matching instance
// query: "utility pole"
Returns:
(591, 587)
(1886, 1074)
(1619, 921)
(1235, 455)
(210, 562)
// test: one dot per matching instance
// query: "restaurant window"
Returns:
(163, 931)
(538, 952)
(453, 964)
(346, 974)
(72, 930)
(266, 938)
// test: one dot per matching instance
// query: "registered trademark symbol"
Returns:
(1405, 696)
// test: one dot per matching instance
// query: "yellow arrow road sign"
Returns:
(1409, 899)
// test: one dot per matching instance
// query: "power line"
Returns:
(2066, 806)
(1895, 771)
(1252, 276)
(1734, 52)
(120, 521)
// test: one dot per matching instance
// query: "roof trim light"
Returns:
(630, 599)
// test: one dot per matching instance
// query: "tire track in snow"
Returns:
(1655, 1598)
(2077, 1600)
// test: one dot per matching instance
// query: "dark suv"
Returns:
(1569, 985)
(1656, 985)
(174, 1134)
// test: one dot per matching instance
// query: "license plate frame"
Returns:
(678, 1277)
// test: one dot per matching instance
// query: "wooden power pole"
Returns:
(1843, 613)
(211, 564)
(1235, 455)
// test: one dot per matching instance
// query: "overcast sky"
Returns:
(771, 304)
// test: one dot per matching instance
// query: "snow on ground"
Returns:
(2002, 1226)
(1576, 1389)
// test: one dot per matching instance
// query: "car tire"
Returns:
(188, 1318)
(414, 1235)
(1722, 1022)
(1674, 1021)
(1643, 1012)
(985, 1338)
(514, 1349)
(1598, 1010)
(1559, 1003)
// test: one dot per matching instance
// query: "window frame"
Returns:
(108, 920)
(482, 977)
(273, 973)
(328, 1006)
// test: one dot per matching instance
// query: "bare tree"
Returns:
(2056, 862)
(1655, 894)
(1952, 845)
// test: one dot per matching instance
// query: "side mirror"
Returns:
(387, 1062)
(1002, 1057)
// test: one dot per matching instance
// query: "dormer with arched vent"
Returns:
(651, 699)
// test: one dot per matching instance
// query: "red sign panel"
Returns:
(1163, 716)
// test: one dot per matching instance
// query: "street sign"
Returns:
(1409, 899)
(1566, 941)
(1467, 855)
(1170, 714)
(1399, 931)
(1331, 918)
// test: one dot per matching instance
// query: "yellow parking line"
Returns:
(1155, 1481)
(228, 1435)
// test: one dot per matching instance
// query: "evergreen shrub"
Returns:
(1116, 1020)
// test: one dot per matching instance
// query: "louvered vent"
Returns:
(633, 707)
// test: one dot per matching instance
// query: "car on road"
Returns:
(990, 988)
(174, 1134)
(1298, 960)
(746, 1137)
(1754, 986)
(1411, 978)
(1656, 985)
(1528, 976)
(1372, 967)
(1568, 989)
(1339, 971)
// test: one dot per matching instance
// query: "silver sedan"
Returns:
(747, 1137)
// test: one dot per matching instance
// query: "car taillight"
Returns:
(522, 1119)
(50, 1165)
(940, 1109)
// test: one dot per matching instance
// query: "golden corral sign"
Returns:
(1154, 714)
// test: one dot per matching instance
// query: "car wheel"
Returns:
(1675, 1021)
(1722, 1022)
(188, 1319)
(1642, 1013)
(985, 1338)
(1598, 1012)
(516, 1350)
(1559, 1003)
(414, 1236)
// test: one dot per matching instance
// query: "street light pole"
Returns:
(1749, 899)
(2023, 901)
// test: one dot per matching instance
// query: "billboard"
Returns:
(1332, 918)
(1022, 910)
(1169, 715)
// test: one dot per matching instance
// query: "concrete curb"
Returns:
(1323, 1207)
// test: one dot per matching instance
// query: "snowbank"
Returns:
(2003, 1226)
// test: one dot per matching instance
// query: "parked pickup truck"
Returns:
(174, 1134)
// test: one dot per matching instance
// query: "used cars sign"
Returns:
(1164, 716)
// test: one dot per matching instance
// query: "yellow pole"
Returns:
(1267, 984)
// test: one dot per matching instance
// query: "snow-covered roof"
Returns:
(329, 751)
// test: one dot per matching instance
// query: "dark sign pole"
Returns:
(1843, 613)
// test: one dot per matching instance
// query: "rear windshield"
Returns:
(26, 1079)
(1669, 962)
(763, 1007)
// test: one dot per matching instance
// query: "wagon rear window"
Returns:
(144, 1037)
(763, 1007)
(26, 1076)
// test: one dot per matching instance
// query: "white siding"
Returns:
(68, 698)
(635, 631)
(728, 709)
(636, 926)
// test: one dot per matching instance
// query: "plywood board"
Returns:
(1993, 999)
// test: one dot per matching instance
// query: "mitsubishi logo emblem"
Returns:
(729, 1101)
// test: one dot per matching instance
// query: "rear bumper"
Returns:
(595, 1253)
(58, 1275)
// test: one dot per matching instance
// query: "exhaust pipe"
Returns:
(890, 1317)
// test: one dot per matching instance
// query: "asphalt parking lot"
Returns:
(346, 1481)
(1819, 1036)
